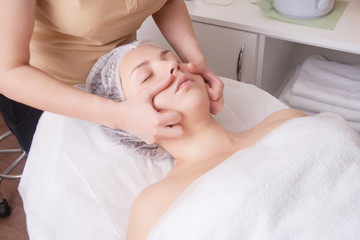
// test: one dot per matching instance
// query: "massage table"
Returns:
(77, 184)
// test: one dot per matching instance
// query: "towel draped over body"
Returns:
(301, 181)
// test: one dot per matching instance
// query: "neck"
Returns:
(205, 141)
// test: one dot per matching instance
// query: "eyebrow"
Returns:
(146, 62)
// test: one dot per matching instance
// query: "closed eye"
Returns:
(147, 78)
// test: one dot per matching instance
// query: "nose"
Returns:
(173, 67)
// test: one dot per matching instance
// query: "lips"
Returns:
(183, 80)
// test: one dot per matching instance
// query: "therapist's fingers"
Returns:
(215, 86)
(160, 123)
(215, 105)
(149, 124)
(168, 125)
(153, 89)
(169, 117)
(168, 132)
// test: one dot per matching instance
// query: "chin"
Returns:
(195, 105)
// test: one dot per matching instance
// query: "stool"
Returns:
(5, 209)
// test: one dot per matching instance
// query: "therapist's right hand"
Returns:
(145, 122)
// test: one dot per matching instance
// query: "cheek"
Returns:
(127, 91)
(162, 101)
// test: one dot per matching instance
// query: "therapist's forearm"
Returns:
(175, 24)
(33, 87)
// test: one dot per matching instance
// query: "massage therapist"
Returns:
(47, 46)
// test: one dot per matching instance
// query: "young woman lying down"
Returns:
(290, 177)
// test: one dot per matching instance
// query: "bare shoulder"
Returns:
(148, 198)
(277, 118)
(285, 114)
(153, 202)
(146, 211)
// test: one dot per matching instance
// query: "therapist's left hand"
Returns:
(214, 85)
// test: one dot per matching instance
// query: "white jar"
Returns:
(303, 9)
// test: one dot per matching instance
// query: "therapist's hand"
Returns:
(145, 122)
(214, 85)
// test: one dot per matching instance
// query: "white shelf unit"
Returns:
(280, 58)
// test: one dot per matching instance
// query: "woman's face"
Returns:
(147, 65)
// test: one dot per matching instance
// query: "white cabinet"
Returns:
(221, 47)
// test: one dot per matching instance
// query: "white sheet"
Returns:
(301, 181)
(76, 186)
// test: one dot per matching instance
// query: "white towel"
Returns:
(302, 181)
(300, 100)
(317, 107)
(329, 82)
(309, 105)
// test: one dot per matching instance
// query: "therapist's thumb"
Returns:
(158, 86)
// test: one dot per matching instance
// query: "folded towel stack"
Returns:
(320, 85)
